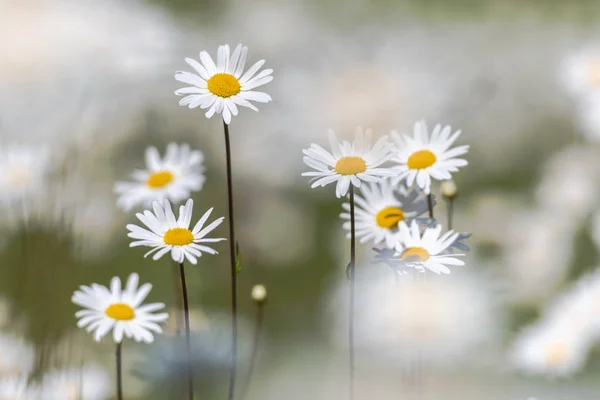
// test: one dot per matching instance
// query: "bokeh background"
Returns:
(86, 86)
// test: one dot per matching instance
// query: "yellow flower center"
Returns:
(178, 237)
(389, 217)
(593, 73)
(414, 254)
(120, 312)
(556, 354)
(224, 85)
(350, 166)
(421, 159)
(159, 179)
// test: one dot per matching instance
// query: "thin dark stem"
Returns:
(257, 334)
(233, 255)
(119, 374)
(430, 204)
(186, 313)
(450, 212)
(352, 278)
(178, 300)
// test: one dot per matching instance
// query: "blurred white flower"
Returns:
(413, 317)
(422, 157)
(173, 177)
(220, 87)
(16, 388)
(349, 162)
(539, 249)
(25, 175)
(570, 185)
(17, 356)
(550, 350)
(379, 209)
(580, 72)
(90, 382)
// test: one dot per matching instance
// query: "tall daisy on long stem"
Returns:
(350, 165)
(120, 311)
(220, 88)
(166, 234)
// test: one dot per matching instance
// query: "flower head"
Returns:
(90, 382)
(429, 250)
(221, 87)
(119, 310)
(167, 234)
(349, 162)
(380, 208)
(422, 158)
(172, 178)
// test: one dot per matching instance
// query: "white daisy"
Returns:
(221, 88)
(119, 310)
(89, 383)
(349, 162)
(379, 210)
(422, 158)
(169, 234)
(427, 251)
(173, 178)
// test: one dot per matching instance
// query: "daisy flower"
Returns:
(422, 158)
(429, 250)
(25, 173)
(221, 87)
(17, 388)
(349, 162)
(166, 233)
(119, 310)
(580, 72)
(380, 207)
(173, 178)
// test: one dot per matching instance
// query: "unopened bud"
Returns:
(449, 189)
(259, 293)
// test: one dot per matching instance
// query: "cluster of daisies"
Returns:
(394, 179)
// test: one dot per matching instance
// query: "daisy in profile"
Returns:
(220, 88)
(173, 177)
(429, 250)
(165, 233)
(349, 163)
(422, 158)
(119, 310)
(380, 207)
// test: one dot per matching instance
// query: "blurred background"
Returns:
(86, 86)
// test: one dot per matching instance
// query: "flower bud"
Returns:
(449, 189)
(259, 293)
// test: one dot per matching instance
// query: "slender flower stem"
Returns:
(186, 313)
(351, 276)
(179, 300)
(257, 334)
(233, 255)
(430, 204)
(450, 212)
(119, 374)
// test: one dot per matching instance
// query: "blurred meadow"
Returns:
(87, 86)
